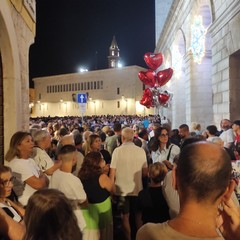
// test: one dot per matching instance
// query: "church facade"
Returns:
(200, 41)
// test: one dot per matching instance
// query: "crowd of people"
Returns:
(121, 177)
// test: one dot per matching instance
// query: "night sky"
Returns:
(74, 33)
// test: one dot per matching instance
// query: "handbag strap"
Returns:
(168, 156)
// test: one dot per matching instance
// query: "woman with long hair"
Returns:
(98, 187)
(23, 166)
(94, 144)
(162, 149)
(49, 215)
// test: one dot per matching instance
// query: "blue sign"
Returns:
(82, 98)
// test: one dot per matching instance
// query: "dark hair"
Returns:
(91, 165)
(49, 215)
(155, 145)
(212, 129)
(185, 127)
(142, 132)
(189, 140)
(67, 149)
(63, 132)
(200, 176)
(103, 136)
(117, 127)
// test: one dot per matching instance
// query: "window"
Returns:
(66, 87)
(88, 85)
(91, 85)
(95, 85)
(69, 87)
(118, 90)
(118, 104)
(47, 89)
(98, 84)
(56, 88)
(39, 96)
(101, 84)
(61, 88)
(85, 86)
(81, 86)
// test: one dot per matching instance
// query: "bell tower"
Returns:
(113, 58)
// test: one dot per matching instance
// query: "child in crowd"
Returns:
(152, 203)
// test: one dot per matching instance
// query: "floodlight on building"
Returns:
(120, 65)
(82, 69)
(61, 100)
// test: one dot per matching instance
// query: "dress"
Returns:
(98, 214)
(153, 205)
(162, 231)
(26, 168)
(72, 187)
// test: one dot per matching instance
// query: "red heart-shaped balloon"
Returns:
(147, 99)
(164, 76)
(163, 98)
(153, 60)
(148, 77)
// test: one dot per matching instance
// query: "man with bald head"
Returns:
(202, 179)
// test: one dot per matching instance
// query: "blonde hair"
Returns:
(157, 172)
(16, 139)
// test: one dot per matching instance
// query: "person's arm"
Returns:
(229, 221)
(38, 183)
(106, 182)
(112, 174)
(10, 228)
(52, 169)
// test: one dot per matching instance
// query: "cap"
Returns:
(237, 122)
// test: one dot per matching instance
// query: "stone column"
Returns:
(198, 98)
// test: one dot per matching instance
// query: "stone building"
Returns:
(116, 90)
(17, 31)
(200, 41)
(110, 91)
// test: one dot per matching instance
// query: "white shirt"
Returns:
(161, 156)
(227, 137)
(128, 160)
(72, 187)
(26, 168)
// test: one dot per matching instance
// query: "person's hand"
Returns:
(168, 164)
(229, 220)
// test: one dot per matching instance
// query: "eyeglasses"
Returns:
(163, 135)
(6, 183)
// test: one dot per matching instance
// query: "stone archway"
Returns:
(11, 110)
(1, 115)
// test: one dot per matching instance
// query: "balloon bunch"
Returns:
(155, 96)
